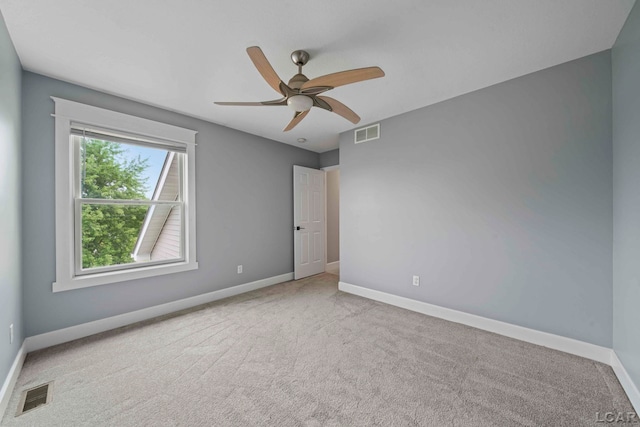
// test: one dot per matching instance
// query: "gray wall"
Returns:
(333, 215)
(500, 200)
(330, 158)
(626, 195)
(10, 261)
(244, 212)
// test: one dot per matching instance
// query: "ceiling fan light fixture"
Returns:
(300, 103)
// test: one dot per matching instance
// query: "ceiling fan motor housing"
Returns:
(297, 81)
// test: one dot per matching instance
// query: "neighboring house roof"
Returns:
(159, 236)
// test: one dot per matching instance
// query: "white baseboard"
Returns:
(625, 380)
(332, 267)
(556, 342)
(10, 381)
(60, 336)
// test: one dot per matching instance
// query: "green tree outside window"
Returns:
(109, 232)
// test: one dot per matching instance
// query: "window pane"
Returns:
(116, 170)
(109, 233)
(162, 238)
(168, 185)
(125, 234)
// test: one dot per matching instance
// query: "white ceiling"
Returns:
(182, 55)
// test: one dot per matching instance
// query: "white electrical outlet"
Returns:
(239, 269)
(11, 333)
(416, 280)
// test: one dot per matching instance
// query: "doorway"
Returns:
(332, 245)
(309, 227)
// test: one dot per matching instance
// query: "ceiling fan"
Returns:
(300, 94)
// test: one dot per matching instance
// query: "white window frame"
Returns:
(66, 172)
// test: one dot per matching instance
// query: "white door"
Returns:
(308, 221)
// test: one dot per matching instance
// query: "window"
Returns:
(125, 197)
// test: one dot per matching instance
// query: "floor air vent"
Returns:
(34, 397)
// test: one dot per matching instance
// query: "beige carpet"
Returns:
(304, 354)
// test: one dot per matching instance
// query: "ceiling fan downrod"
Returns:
(300, 58)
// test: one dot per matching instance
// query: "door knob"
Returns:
(298, 228)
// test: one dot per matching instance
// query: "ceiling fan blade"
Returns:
(264, 68)
(282, 101)
(345, 77)
(340, 109)
(297, 118)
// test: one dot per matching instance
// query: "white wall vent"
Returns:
(367, 134)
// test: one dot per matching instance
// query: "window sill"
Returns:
(97, 279)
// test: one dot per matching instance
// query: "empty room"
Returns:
(413, 213)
